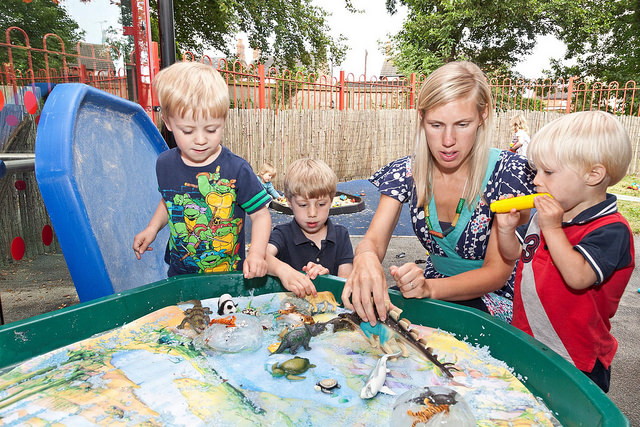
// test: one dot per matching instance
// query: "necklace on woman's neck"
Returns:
(427, 218)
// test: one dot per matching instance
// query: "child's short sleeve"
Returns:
(250, 192)
(606, 249)
(344, 250)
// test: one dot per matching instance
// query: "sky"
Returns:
(364, 32)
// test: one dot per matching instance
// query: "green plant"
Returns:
(630, 209)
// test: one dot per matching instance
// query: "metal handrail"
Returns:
(18, 165)
(17, 156)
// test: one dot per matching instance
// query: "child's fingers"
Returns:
(139, 248)
(247, 270)
(394, 271)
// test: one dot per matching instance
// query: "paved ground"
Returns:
(33, 287)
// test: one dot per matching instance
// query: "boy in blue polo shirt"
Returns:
(311, 242)
(206, 189)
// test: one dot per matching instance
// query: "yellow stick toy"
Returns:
(518, 203)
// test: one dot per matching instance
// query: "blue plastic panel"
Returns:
(95, 165)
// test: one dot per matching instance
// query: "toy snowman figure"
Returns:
(226, 305)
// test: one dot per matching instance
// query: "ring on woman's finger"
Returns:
(411, 285)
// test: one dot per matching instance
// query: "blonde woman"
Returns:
(448, 182)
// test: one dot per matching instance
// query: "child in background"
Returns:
(521, 139)
(266, 174)
(577, 252)
(206, 189)
(311, 242)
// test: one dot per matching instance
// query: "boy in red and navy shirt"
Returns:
(576, 254)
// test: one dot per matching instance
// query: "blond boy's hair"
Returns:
(310, 178)
(268, 168)
(451, 82)
(192, 90)
(519, 122)
(582, 140)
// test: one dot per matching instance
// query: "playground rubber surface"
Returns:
(358, 222)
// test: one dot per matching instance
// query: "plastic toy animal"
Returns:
(382, 338)
(401, 326)
(327, 385)
(377, 377)
(325, 298)
(226, 305)
(299, 337)
(294, 318)
(229, 321)
(197, 317)
(423, 415)
(429, 397)
(292, 368)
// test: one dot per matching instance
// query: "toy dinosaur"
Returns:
(299, 337)
(401, 326)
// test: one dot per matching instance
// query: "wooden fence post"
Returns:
(341, 92)
(262, 100)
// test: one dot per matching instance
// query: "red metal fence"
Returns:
(259, 86)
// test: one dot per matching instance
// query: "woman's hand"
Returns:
(410, 280)
(367, 284)
(366, 288)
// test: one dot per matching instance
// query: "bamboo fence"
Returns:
(355, 143)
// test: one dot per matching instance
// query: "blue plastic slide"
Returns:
(95, 165)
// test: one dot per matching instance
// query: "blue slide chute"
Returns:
(95, 166)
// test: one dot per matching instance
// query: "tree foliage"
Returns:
(37, 18)
(293, 32)
(602, 39)
(602, 36)
(494, 34)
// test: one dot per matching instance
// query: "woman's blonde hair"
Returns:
(268, 168)
(519, 122)
(582, 140)
(451, 82)
(193, 90)
(310, 178)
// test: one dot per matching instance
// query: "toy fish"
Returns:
(377, 377)
(517, 203)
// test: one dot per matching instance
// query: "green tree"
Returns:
(602, 38)
(37, 18)
(293, 32)
(494, 34)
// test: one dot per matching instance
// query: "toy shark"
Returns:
(377, 377)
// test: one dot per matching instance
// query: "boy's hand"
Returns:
(314, 270)
(142, 240)
(254, 266)
(507, 222)
(550, 213)
(298, 283)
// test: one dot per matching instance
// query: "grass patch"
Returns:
(630, 210)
